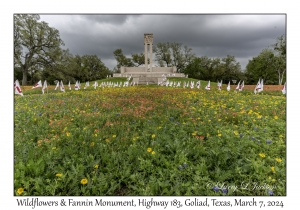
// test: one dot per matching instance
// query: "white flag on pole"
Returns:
(45, 86)
(228, 86)
(241, 86)
(219, 85)
(198, 84)
(207, 87)
(69, 85)
(76, 85)
(238, 86)
(62, 88)
(86, 84)
(18, 88)
(95, 84)
(261, 85)
(57, 84)
(39, 84)
(284, 89)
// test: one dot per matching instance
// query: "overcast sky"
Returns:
(243, 36)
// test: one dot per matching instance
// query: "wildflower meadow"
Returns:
(150, 140)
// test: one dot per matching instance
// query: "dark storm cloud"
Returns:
(116, 19)
(243, 36)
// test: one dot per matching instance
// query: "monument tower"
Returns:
(148, 40)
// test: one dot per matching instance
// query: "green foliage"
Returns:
(270, 64)
(149, 141)
(35, 44)
(262, 66)
(173, 54)
(205, 68)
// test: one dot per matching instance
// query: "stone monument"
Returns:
(148, 74)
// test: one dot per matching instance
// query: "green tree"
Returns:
(94, 68)
(214, 68)
(173, 54)
(138, 59)
(262, 66)
(230, 69)
(279, 62)
(35, 44)
(122, 60)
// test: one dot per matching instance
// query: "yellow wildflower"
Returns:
(84, 181)
(114, 136)
(20, 191)
(96, 166)
(236, 133)
(273, 169)
(153, 136)
(276, 117)
(153, 153)
(219, 134)
(262, 155)
(58, 175)
(278, 160)
(107, 140)
(149, 149)
(68, 134)
(54, 148)
(92, 144)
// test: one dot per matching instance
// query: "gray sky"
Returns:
(243, 36)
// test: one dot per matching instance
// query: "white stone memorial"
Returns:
(148, 74)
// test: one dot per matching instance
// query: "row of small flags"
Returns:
(165, 82)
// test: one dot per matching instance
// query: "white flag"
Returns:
(39, 84)
(95, 84)
(57, 84)
(62, 88)
(219, 85)
(241, 86)
(238, 86)
(261, 85)
(18, 88)
(198, 84)
(45, 86)
(76, 85)
(192, 85)
(284, 89)
(208, 86)
(228, 87)
(86, 84)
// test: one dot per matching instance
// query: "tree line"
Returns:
(39, 55)
(269, 65)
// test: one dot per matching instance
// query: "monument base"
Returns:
(148, 77)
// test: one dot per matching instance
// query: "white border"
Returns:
(154, 6)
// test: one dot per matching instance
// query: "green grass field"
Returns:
(149, 140)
